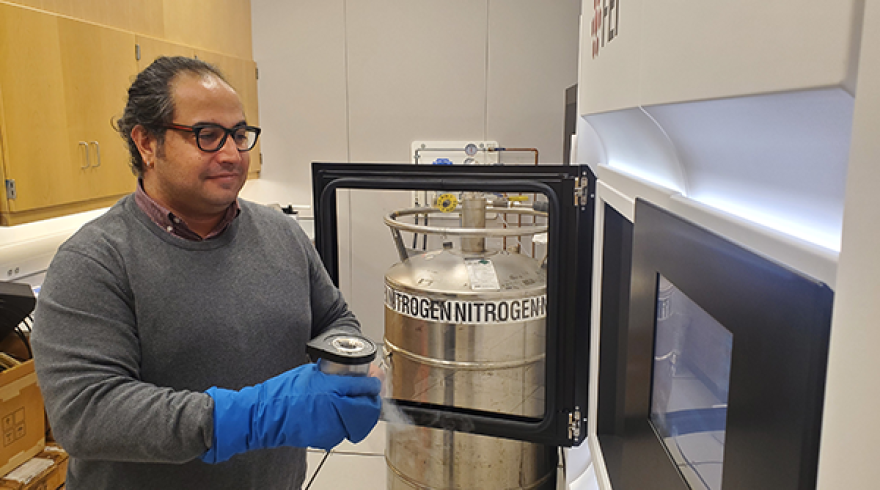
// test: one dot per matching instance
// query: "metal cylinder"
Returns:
(422, 458)
(342, 353)
(330, 367)
(467, 330)
(473, 215)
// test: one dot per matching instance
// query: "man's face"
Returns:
(188, 181)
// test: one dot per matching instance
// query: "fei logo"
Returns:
(604, 25)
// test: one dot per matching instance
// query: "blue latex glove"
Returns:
(301, 407)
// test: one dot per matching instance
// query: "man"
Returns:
(170, 333)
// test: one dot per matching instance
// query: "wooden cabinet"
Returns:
(34, 119)
(61, 83)
(220, 26)
(149, 48)
(97, 66)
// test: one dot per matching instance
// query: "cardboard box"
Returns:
(45, 471)
(22, 417)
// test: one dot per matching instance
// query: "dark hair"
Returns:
(150, 103)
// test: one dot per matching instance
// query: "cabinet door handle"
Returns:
(97, 153)
(88, 160)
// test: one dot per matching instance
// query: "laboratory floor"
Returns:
(351, 466)
(358, 466)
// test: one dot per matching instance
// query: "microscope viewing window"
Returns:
(748, 336)
(690, 386)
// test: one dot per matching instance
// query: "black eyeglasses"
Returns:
(212, 137)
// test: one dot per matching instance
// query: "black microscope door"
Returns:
(558, 356)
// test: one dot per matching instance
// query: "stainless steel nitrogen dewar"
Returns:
(464, 327)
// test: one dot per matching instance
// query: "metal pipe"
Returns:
(391, 220)
(473, 215)
(398, 243)
(499, 150)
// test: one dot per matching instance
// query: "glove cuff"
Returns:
(231, 425)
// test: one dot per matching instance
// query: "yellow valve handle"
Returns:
(518, 198)
(446, 202)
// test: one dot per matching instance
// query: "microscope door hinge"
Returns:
(576, 430)
(10, 189)
(581, 191)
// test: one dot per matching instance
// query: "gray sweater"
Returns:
(133, 325)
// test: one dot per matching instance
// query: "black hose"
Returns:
(315, 474)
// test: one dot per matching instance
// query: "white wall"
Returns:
(299, 47)
(359, 81)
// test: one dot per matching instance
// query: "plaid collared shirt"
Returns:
(166, 220)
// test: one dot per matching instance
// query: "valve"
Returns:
(446, 202)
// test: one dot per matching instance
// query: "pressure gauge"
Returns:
(470, 149)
